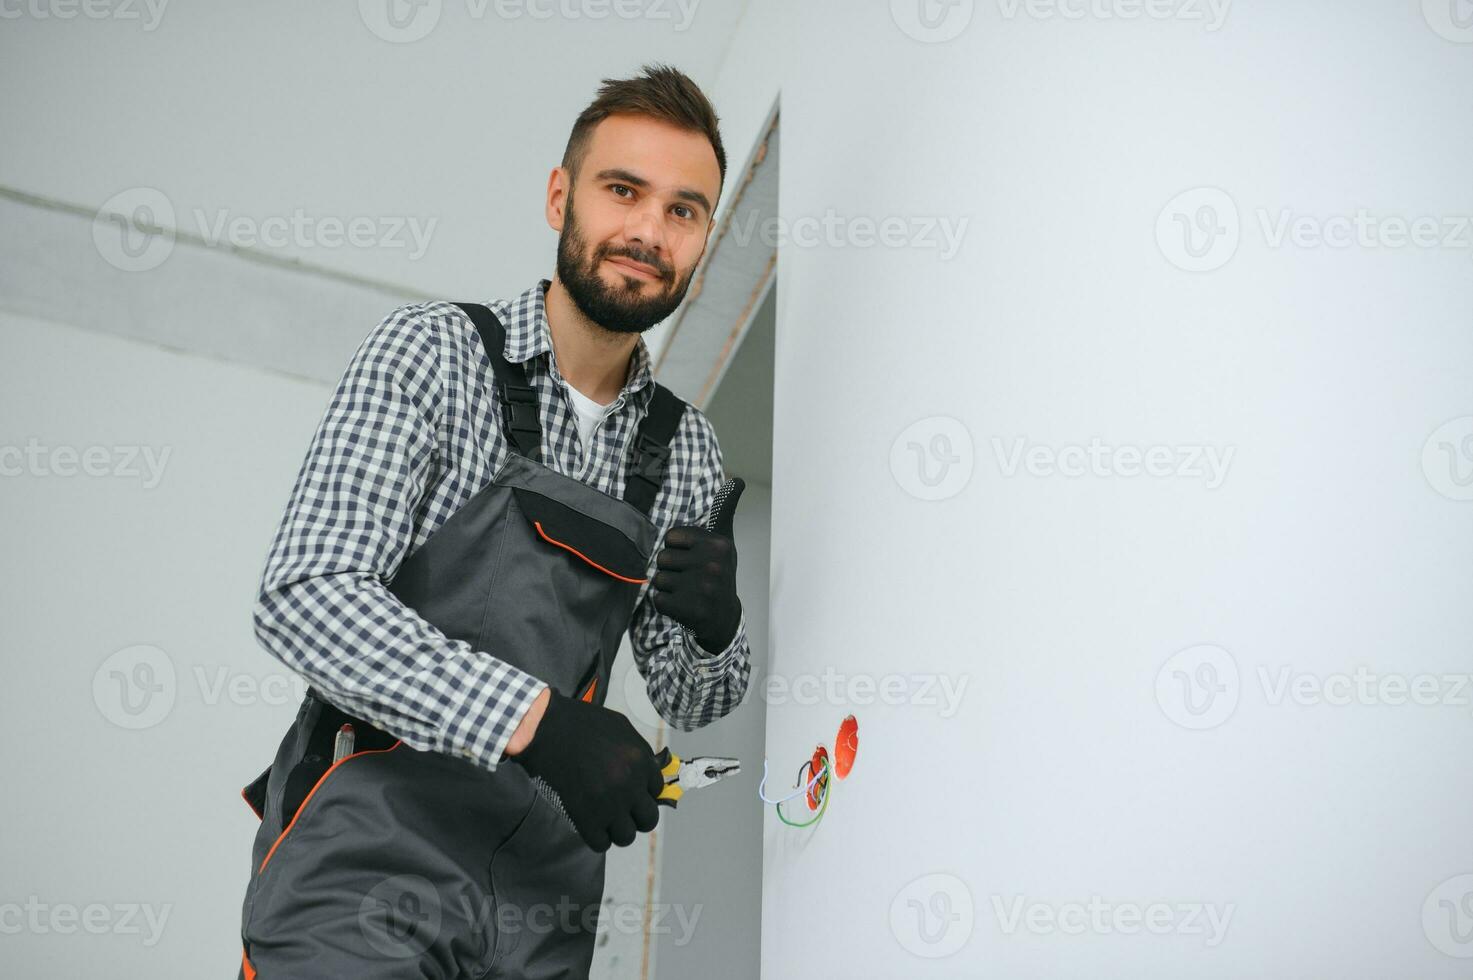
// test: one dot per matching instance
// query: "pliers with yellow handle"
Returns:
(681, 775)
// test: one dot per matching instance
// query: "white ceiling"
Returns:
(272, 108)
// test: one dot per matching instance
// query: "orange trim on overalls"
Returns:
(588, 694)
(622, 578)
(245, 966)
(315, 786)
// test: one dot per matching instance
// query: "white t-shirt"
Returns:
(589, 412)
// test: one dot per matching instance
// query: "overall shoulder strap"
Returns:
(518, 398)
(650, 448)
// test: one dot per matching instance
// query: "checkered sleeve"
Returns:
(688, 685)
(324, 608)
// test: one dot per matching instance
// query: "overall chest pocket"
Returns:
(594, 543)
(564, 581)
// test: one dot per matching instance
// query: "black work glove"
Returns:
(696, 581)
(605, 773)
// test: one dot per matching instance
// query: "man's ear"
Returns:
(557, 196)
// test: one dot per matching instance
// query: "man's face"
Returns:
(645, 195)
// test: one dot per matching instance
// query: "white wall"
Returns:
(1332, 834)
(101, 812)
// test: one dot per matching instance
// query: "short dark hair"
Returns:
(660, 91)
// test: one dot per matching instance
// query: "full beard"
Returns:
(621, 309)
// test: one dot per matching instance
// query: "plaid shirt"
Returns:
(411, 434)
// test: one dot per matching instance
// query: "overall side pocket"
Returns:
(295, 816)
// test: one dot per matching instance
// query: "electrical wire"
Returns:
(823, 803)
(761, 787)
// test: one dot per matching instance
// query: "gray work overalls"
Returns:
(400, 863)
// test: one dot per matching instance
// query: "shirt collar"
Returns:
(528, 335)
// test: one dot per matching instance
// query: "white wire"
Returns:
(794, 795)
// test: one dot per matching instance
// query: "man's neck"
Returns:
(591, 358)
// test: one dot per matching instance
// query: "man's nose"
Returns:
(643, 225)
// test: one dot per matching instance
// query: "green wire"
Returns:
(823, 804)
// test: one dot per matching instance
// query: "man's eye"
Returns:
(620, 187)
(688, 212)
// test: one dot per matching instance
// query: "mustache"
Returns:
(660, 267)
